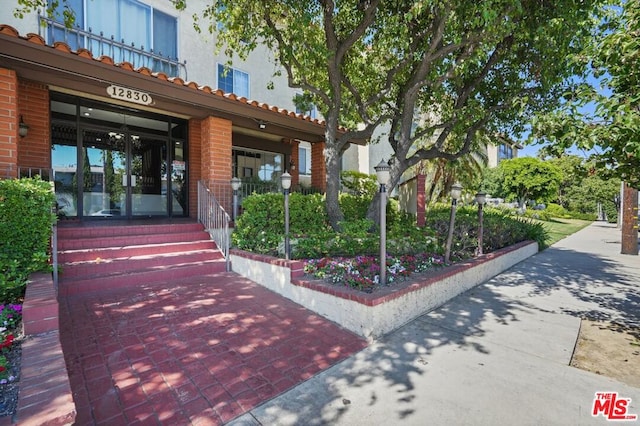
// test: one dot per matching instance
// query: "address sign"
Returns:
(130, 95)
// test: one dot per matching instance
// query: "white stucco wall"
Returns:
(197, 49)
(372, 322)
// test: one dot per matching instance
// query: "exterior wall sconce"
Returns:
(456, 193)
(382, 173)
(262, 124)
(23, 128)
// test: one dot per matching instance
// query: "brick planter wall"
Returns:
(376, 314)
(45, 396)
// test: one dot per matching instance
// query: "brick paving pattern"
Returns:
(199, 351)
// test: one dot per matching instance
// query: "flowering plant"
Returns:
(5, 377)
(10, 315)
(363, 272)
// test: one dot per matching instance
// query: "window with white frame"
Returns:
(231, 80)
(123, 29)
(304, 160)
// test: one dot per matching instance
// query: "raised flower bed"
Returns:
(373, 314)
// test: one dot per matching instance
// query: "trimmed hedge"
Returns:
(26, 218)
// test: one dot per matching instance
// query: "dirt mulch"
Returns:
(610, 350)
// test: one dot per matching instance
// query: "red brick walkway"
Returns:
(201, 351)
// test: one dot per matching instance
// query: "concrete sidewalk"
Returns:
(496, 355)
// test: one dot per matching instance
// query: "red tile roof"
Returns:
(85, 53)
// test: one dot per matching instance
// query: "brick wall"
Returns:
(294, 167)
(216, 158)
(34, 150)
(8, 123)
(318, 166)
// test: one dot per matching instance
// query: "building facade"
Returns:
(127, 110)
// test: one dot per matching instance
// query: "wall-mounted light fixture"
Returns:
(23, 128)
(262, 124)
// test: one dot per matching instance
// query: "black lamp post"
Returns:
(235, 185)
(285, 181)
(456, 192)
(481, 198)
(382, 173)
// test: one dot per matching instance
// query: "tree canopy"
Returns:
(439, 76)
(442, 73)
(602, 113)
(529, 178)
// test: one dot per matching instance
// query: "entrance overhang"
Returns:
(79, 71)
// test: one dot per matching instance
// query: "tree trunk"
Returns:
(332, 161)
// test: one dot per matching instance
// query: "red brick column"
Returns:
(8, 124)
(294, 167)
(318, 166)
(34, 150)
(216, 158)
(420, 200)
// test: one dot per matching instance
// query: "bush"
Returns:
(26, 218)
(260, 228)
(500, 230)
(556, 210)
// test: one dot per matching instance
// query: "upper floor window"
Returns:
(231, 80)
(125, 30)
(505, 152)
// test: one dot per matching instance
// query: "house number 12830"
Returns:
(129, 95)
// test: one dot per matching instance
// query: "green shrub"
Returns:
(26, 218)
(556, 210)
(360, 184)
(584, 216)
(500, 230)
(260, 228)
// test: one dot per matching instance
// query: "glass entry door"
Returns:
(123, 175)
(104, 174)
(148, 179)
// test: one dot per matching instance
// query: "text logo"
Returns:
(612, 407)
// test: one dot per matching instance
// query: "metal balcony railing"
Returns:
(119, 51)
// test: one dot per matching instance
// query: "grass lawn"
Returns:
(560, 228)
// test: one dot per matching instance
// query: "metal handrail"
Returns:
(119, 51)
(215, 220)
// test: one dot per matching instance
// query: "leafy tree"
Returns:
(529, 178)
(492, 182)
(584, 198)
(440, 72)
(456, 69)
(604, 118)
(573, 170)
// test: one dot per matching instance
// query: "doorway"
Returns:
(117, 165)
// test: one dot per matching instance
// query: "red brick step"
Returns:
(95, 257)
